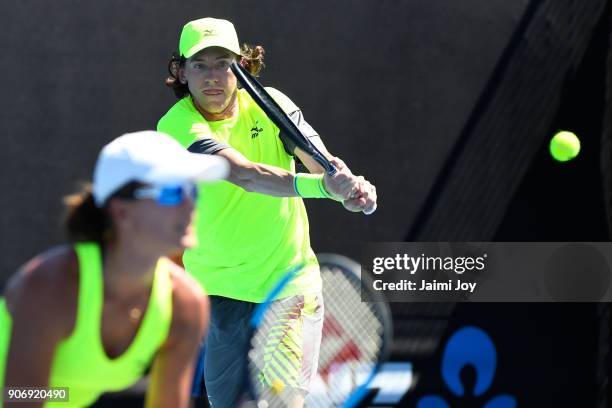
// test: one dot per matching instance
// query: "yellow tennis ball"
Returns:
(277, 386)
(564, 146)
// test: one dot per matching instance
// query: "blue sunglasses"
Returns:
(168, 196)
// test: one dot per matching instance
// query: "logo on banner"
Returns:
(468, 346)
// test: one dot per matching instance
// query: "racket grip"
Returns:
(370, 211)
(330, 169)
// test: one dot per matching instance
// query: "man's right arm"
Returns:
(275, 181)
(258, 177)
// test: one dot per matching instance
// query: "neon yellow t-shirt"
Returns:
(247, 240)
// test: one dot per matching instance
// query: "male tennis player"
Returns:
(253, 228)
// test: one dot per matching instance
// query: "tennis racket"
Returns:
(280, 118)
(283, 366)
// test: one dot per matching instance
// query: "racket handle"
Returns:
(330, 169)
(370, 211)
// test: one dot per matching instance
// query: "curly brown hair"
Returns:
(251, 58)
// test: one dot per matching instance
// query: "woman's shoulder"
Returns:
(47, 284)
(47, 272)
(184, 287)
(190, 307)
(189, 302)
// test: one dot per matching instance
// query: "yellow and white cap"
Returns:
(208, 32)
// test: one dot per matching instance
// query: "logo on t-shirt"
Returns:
(255, 130)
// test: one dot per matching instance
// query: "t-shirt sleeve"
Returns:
(296, 116)
(193, 134)
(282, 100)
(298, 119)
(207, 145)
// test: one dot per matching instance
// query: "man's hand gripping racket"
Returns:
(280, 119)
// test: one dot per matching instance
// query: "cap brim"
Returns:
(191, 167)
(208, 43)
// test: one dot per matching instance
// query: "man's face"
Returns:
(210, 79)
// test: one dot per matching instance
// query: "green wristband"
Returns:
(310, 186)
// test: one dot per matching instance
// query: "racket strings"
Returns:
(276, 355)
(276, 346)
(352, 336)
(351, 345)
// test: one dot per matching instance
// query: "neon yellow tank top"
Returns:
(246, 240)
(80, 361)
